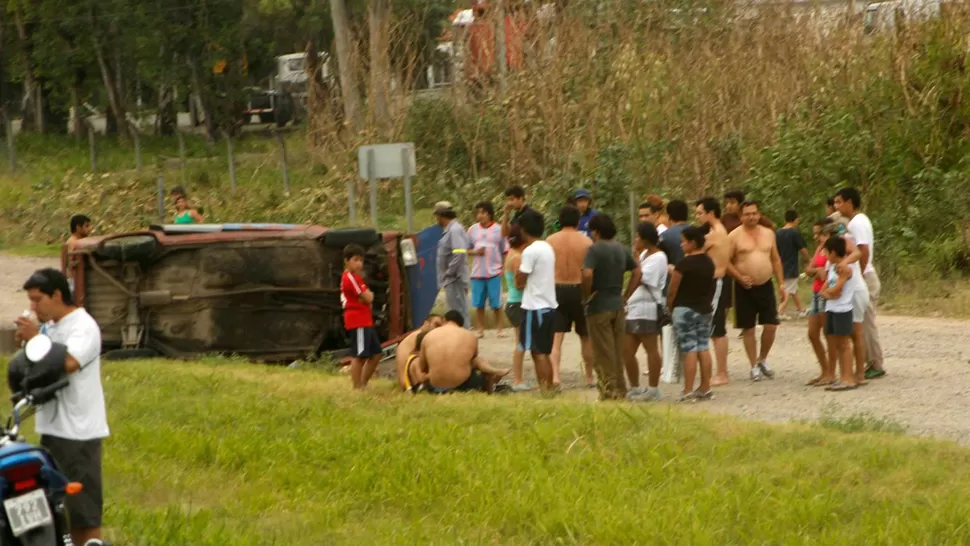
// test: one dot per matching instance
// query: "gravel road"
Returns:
(926, 389)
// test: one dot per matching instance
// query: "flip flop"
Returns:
(838, 386)
(825, 383)
(813, 382)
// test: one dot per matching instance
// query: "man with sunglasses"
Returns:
(73, 425)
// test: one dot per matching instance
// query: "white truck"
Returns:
(887, 16)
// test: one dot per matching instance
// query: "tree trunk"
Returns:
(31, 109)
(380, 73)
(348, 79)
(111, 82)
(167, 119)
(501, 48)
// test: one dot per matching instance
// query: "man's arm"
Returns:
(522, 272)
(776, 265)
(586, 285)
(506, 221)
(459, 253)
(853, 254)
(863, 256)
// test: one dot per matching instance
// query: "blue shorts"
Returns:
(490, 289)
(693, 330)
(364, 342)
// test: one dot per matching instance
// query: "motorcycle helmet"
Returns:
(39, 364)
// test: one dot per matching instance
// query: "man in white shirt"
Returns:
(537, 278)
(849, 202)
(72, 425)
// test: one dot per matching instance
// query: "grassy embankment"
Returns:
(228, 453)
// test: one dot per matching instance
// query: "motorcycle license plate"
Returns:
(28, 512)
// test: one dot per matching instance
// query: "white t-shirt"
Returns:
(861, 230)
(539, 263)
(78, 412)
(661, 229)
(653, 273)
(844, 303)
(856, 283)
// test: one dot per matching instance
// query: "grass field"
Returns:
(228, 453)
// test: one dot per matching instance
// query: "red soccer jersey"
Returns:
(357, 314)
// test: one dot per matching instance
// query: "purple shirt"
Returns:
(490, 238)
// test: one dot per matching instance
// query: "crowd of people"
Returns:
(684, 274)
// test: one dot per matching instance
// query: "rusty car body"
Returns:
(267, 292)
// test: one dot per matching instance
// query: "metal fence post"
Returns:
(408, 205)
(161, 199)
(283, 163)
(93, 149)
(232, 162)
(372, 178)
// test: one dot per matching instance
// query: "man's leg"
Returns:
(798, 303)
(478, 302)
(543, 370)
(767, 340)
(601, 338)
(719, 336)
(555, 358)
(618, 324)
(631, 344)
(494, 286)
(873, 346)
(768, 317)
(370, 367)
(81, 461)
(585, 346)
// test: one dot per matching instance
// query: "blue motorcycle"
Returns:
(32, 487)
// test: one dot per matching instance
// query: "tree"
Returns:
(343, 41)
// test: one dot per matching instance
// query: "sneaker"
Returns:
(756, 373)
(765, 370)
(873, 373)
(645, 395)
(701, 396)
(803, 313)
(635, 391)
(521, 387)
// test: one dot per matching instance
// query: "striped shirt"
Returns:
(489, 238)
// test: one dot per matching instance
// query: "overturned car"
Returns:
(265, 291)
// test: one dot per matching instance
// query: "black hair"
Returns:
(695, 235)
(48, 281)
(455, 316)
(824, 222)
(830, 202)
(352, 250)
(179, 190)
(532, 223)
(852, 195)
(431, 316)
(487, 207)
(837, 245)
(515, 236)
(648, 232)
(569, 216)
(751, 203)
(603, 225)
(515, 191)
(791, 215)
(677, 210)
(710, 205)
(736, 195)
(78, 221)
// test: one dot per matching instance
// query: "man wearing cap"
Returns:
(453, 274)
(584, 202)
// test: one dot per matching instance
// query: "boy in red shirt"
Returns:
(356, 298)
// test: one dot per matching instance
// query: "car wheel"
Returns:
(339, 238)
(124, 249)
(130, 354)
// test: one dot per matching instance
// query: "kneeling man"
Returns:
(408, 350)
(448, 361)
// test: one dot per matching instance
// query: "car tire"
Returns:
(339, 238)
(130, 354)
(125, 249)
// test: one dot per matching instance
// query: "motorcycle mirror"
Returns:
(38, 347)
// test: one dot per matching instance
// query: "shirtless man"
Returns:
(80, 228)
(408, 350)
(708, 214)
(754, 258)
(570, 246)
(448, 361)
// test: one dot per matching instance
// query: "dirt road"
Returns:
(927, 388)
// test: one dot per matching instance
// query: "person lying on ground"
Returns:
(409, 347)
(448, 361)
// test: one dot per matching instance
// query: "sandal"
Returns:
(813, 382)
(839, 386)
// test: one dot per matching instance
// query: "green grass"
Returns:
(223, 453)
(33, 250)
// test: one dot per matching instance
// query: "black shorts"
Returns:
(474, 383)
(514, 313)
(364, 342)
(570, 310)
(838, 324)
(719, 320)
(80, 460)
(755, 304)
(536, 331)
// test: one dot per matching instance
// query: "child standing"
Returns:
(356, 298)
(838, 294)
(791, 244)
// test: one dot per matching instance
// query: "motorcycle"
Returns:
(32, 486)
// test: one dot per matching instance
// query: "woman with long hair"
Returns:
(816, 269)
(513, 304)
